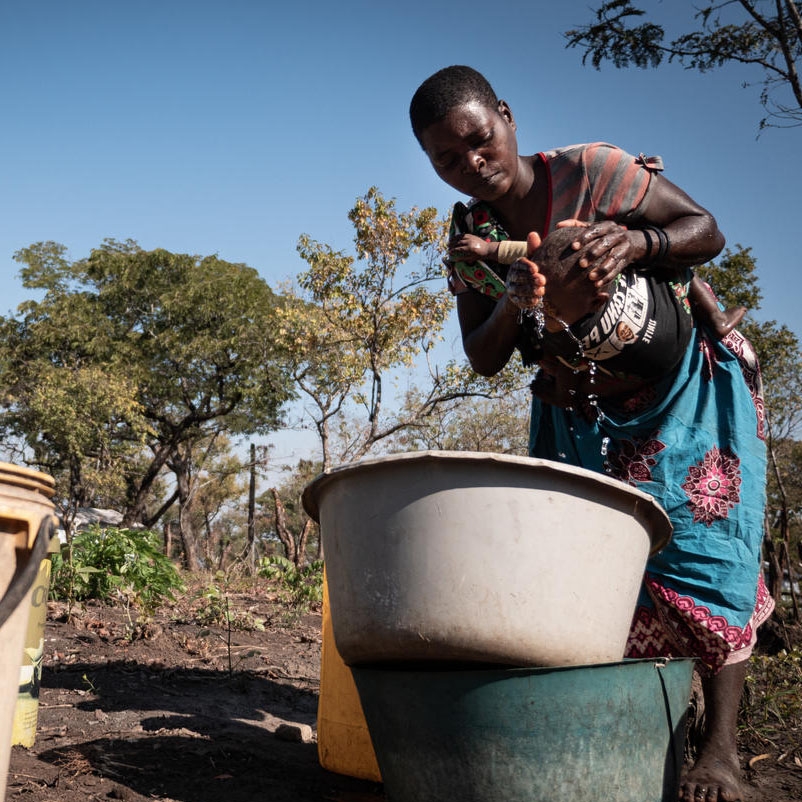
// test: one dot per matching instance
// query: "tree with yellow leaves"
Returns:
(357, 320)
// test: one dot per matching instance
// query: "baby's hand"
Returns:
(469, 248)
(526, 285)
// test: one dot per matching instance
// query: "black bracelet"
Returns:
(663, 245)
(666, 244)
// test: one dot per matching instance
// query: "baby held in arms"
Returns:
(599, 341)
(470, 248)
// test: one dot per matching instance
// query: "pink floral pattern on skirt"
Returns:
(713, 485)
(678, 627)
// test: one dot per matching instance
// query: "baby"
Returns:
(471, 248)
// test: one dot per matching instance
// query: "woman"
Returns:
(693, 438)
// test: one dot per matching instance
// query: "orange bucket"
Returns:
(343, 741)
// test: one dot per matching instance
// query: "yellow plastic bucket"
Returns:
(26, 527)
(343, 740)
(26, 712)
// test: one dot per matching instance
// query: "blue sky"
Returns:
(234, 126)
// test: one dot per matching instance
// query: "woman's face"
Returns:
(474, 149)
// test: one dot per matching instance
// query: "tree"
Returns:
(488, 414)
(356, 322)
(74, 415)
(734, 280)
(62, 410)
(191, 336)
(764, 34)
(209, 516)
(283, 516)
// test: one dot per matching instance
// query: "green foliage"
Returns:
(108, 562)
(764, 34)
(301, 586)
(610, 39)
(772, 702)
(135, 354)
(358, 320)
(215, 609)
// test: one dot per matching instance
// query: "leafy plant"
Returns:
(301, 586)
(103, 563)
(772, 703)
(215, 609)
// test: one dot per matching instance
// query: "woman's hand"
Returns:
(606, 249)
(526, 285)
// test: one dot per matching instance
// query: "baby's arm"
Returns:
(469, 248)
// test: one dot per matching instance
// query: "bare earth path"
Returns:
(171, 711)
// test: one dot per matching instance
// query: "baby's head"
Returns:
(567, 285)
(555, 257)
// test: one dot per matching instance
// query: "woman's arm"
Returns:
(693, 235)
(490, 330)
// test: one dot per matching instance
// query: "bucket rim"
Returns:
(22, 476)
(522, 671)
(646, 505)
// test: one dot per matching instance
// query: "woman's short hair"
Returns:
(450, 87)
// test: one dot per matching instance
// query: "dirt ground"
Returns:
(173, 711)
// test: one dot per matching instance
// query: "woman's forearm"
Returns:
(488, 339)
(688, 241)
(693, 234)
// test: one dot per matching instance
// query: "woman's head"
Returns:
(467, 132)
(445, 90)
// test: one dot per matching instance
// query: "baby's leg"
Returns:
(706, 310)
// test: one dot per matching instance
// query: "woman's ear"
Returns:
(533, 242)
(506, 112)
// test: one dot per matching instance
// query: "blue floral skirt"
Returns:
(696, 443)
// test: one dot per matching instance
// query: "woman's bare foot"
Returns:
(713, 778)
(716, 774)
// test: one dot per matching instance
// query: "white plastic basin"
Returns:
(462, 556)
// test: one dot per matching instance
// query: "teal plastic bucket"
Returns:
(601, 733)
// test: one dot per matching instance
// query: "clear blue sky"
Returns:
(231, 127)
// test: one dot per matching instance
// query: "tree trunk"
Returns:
(283, 532)
(168, 539)
(791, 579)
(775, 560)
(775, 577)
(252, 512)
(192, 561)
(189, 541)
(301, 550)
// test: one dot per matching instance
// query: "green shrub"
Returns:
(102, 563)
(301, 586)
(214, 608)
(772, 702)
